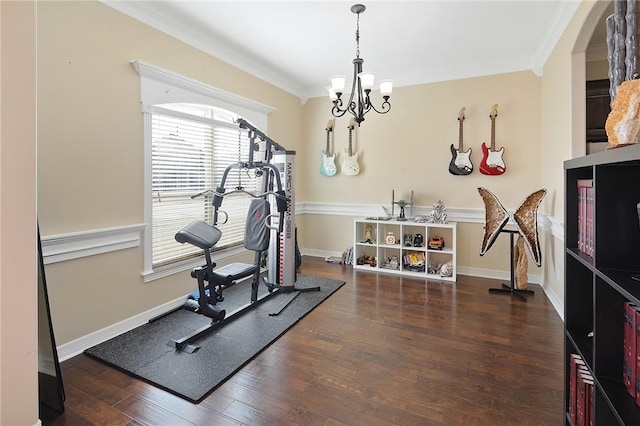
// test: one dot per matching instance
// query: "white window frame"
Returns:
(160, 86)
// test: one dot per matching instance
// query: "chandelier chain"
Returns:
(358, 36)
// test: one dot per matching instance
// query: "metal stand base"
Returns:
(511, 289)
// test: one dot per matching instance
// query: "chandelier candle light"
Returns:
(361, 86)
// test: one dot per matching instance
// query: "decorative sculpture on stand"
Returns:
(522, 264)
(525, 218)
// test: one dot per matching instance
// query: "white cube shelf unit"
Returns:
(373, 251)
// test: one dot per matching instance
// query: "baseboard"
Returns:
(554, 299)
(77, 346)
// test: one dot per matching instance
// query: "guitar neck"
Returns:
(327, 149)
(460, 136)
(352, 126)
(493, 134)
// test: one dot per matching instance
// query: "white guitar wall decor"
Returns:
(350, 165)
(328, 164)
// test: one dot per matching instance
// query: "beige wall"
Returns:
(563, 124)
(18, 243)
(597, 70)
(409, 149)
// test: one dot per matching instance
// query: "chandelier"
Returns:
(359, 102)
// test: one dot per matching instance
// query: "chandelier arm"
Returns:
(336, 111)
(350, 105)
(385, 107)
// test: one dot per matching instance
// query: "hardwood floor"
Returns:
(382, 350)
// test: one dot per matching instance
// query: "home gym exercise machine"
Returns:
(273, 234)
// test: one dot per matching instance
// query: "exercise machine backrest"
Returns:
(256, 233)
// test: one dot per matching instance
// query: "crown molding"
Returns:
(562, 17)
(168, 24)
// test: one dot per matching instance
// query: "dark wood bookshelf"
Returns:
(597, 287)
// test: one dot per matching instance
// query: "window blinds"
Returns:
(189, 155)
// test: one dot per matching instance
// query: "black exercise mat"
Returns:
(143, 351)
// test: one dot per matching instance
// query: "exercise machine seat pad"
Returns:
(200, 234)
(233, 272)
(256, 233)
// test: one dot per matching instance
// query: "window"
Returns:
(190, 139)
(189, 154)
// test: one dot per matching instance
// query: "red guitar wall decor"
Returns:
(492, 163)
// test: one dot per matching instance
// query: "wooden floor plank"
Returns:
(382, 350)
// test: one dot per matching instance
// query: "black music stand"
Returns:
(511, 289)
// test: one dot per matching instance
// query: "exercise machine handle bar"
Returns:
(250, 194)
(282, 201)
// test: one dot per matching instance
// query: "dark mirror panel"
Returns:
(598, 109)
(50, 388)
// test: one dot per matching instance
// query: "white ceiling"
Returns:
(298, 45)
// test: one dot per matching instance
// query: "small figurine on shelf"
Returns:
(391, 263)
(408, 240)
(390, 239)
(446, 270)
(418, 240)
(366, 260)
(414, 261)
(368, 234)
(436, 243)
(439, 213)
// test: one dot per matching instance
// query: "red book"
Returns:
(582, 210)
(590, 234)
(590, 402)
(637, 364)
(629, 360)
(582, 408)
(575, 363)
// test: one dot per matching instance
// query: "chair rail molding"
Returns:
(75, 245)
